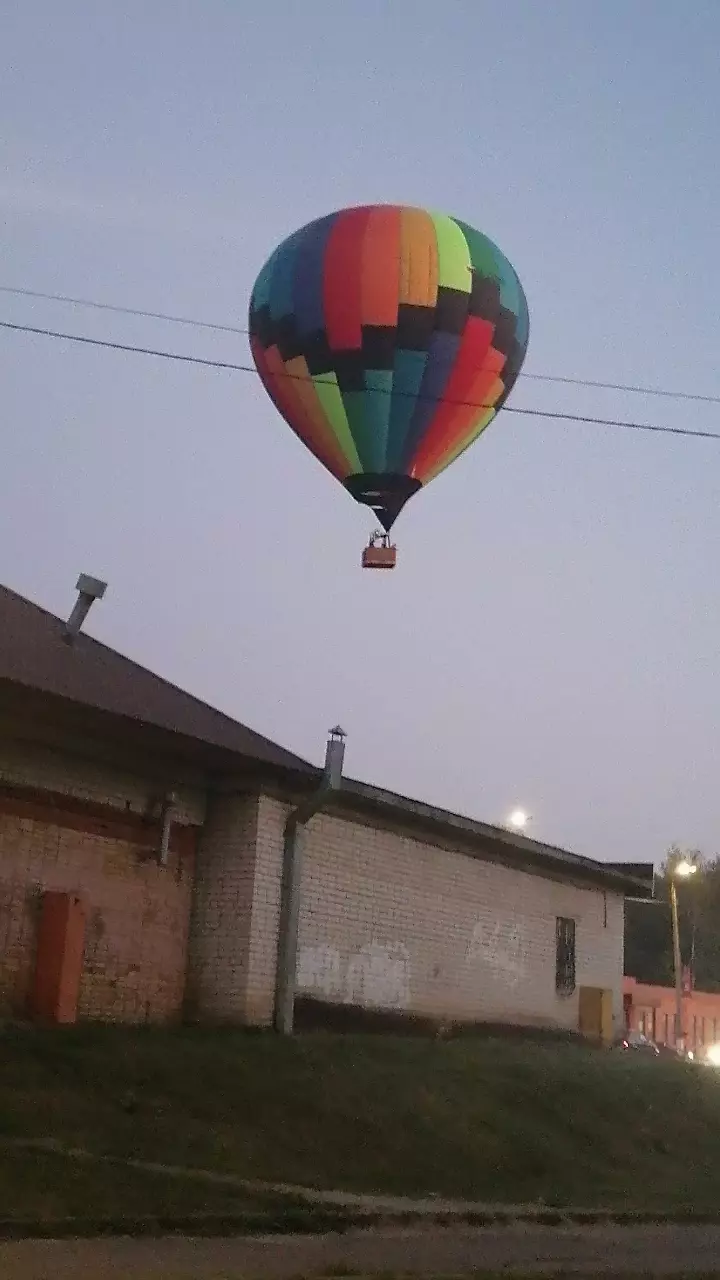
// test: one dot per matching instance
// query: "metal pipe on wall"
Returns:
(295, 823)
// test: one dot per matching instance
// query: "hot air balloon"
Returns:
(388, 338)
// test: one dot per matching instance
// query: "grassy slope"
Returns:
(47, 1186)
(473, 1118)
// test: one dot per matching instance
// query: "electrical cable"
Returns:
(468, 404)
(594, 384)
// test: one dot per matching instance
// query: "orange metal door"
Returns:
(58, 968)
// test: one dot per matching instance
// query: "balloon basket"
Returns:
(379, 553)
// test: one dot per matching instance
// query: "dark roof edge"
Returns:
(294, 770)
(294, 760)
(630, 879)
(633, 880)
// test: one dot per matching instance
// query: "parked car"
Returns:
(636, 1042)
(670, 1051)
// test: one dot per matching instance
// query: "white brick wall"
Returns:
(391, 921)
(387, 920)
(220, 951)
(265, 911)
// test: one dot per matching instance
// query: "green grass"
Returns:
(491, 1120)
(47, 1186)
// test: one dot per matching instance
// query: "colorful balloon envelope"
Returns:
(388, 338)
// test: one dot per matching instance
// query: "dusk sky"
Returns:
(550, 636)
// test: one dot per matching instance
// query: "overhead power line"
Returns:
(623, 386)
(468, 404)
(125, 311)
(597, 385)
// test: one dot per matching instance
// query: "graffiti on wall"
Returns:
(320, 969)
(378, 975)
(498, 949)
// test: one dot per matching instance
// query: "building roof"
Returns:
(88, 674)
(502, 844)
(33, 654)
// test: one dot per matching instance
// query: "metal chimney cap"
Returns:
(337, 734)
(93, 587)
(89, 590)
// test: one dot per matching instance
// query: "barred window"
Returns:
(564, 955)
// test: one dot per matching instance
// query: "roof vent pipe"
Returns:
(334, 757)
(89, 589)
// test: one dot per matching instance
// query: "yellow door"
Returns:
(595, 1014)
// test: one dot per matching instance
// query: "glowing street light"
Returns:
(682, 870)
(685, 869)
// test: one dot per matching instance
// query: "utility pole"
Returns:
(682, 869)
(677, 964)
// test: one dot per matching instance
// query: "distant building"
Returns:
(141, 838)
(651, 1010)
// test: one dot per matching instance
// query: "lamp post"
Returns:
(681, 870)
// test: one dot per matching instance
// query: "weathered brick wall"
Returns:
(387, 920)
(219, 949)
(391, 921)
(137, 918)
(137, 912)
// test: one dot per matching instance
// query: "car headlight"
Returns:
(712, 1055)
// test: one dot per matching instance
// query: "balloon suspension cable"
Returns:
(379, 538)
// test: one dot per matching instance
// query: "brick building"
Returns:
(651, 1010)
(159, 823)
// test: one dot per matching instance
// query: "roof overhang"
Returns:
(483, 840)
(34, 715)
(41, 717)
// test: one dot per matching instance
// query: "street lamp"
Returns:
(682, 870)
(685, 869)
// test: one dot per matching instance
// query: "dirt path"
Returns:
(602, 1250)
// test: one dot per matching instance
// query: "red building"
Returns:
(651, 1010)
